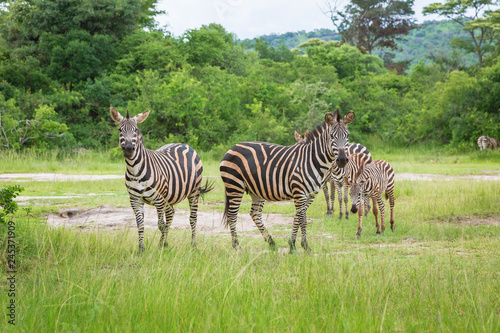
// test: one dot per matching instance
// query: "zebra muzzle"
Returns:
(354, 209)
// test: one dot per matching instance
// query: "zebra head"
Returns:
(130, 136)
(356, 182)
(339, 134)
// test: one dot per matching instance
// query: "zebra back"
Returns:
(375, 178)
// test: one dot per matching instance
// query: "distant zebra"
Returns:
(370, 181)
(272, 172)
(161, 178)
(485, 142)
(335, 178)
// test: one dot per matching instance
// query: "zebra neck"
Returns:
(323, 156)
(135, 164)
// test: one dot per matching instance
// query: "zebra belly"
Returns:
(142, 190)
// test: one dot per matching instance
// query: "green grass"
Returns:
(437, 272)
(418, 159)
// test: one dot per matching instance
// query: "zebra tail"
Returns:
(386, 196)
(225, 223)
(209, 186)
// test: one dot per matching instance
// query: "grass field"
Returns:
(439, 270)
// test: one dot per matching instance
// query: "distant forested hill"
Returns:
(433, 38)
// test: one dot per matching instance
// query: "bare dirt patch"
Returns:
(472, 220)
(209, 223)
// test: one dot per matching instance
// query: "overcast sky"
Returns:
(252, 18)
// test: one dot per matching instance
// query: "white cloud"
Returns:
(252, 18)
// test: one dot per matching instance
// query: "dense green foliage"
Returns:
(62, 67)
(7, 204)
(431, 40)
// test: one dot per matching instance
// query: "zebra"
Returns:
(160, 178)
(485, 142)
(369, 182)
(273, 172)
(335, 179)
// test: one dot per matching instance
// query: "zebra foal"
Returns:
(369, 181)
(161, 178)
(485, 142)
(273, 172)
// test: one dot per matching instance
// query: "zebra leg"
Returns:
(332, 195)
(293, 237)
(346, 200)
(391, 204)
(138, 207)
(256, 214)
(169, 216)
(339, 193)
(375, 212)
(160, 211)
(233, 203)
(382, 211)
(367, 206)
(360, 219)
(301, 215)
(327, 198)
(193, 216)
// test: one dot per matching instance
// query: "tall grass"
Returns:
(94, 281)
(437, 272)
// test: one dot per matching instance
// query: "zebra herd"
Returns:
(266, 171)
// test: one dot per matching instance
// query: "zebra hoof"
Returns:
(378, 232)
(272, 245)
(358, 236)
(329, 214)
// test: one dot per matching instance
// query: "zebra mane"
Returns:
(316, 132)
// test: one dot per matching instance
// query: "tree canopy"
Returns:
(206, 89)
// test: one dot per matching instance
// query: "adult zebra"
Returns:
(485, 142)
(272, 172)
(369, 181)
(335, 178)
(161, 178)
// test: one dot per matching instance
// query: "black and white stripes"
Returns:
(370, 181)
(161, 178)
(272, 172)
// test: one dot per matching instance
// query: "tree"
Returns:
(371, 24)
(466, 13)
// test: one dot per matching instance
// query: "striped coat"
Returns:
(336, 180)
(370, 181)
(161, 178)
(274, 173)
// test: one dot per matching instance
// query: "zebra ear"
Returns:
(141, 117)
(297, 136)
(349, 117)
(329, 118)
(115, 114)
